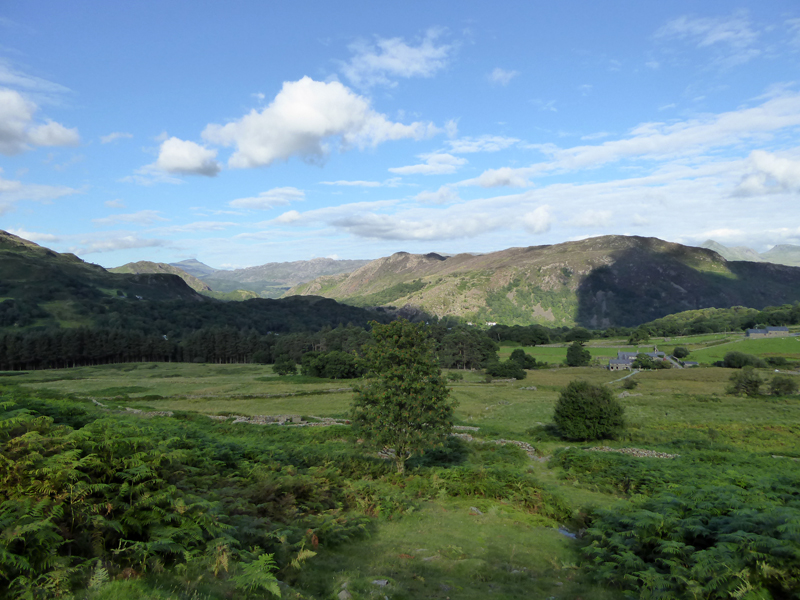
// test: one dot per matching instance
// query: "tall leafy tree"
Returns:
(405, 404)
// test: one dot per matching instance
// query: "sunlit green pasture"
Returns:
(788, 347)
(467, 547)
(666, 403)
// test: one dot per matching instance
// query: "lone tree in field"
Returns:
(404, 404)
(577, 355)
(588, 412)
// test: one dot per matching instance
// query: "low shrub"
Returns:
(783, 385)
(588, 412)
(739, 360)
(747, 382)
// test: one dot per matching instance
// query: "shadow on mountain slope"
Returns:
(644, 283)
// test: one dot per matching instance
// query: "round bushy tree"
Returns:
(783, 385)
(747, 382)
(525, 360)
(284, 366)
(577, 355)
(588, 412)
(680, 352)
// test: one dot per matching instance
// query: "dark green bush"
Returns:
(680, 352)
(746, 382)
(508, 369)
(783, 385)
(588, 412)
(284, 366)
(739, 360)
(525, 360)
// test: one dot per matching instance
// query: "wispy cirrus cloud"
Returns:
(112, 244)
(435, 164)
(385, 60)
(194, 227)
(13, 191)
(142, 217)
(34, 236)
(733, 38)
(484, 143)
(502, 76)
(114, 136)
(658, 142)
(270, 199)
(353, 183)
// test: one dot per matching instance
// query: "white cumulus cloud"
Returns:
(538, 220)
(182, 157)
(270, 199)
(301, 121)
(18, 130)
(378, 63)
(435, 164)
(54, 134)
(769, 174)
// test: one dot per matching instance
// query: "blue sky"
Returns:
(242, 133)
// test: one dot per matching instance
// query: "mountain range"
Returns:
(271, 280)
(782, 254)
(597, 282)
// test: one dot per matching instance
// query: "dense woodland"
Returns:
(169, 332)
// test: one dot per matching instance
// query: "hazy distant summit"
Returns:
(270, 280)
(782, 254)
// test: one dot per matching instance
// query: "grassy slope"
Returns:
(62, 284)
(145, 266)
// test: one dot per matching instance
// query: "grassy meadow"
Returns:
(705, 349)
(444, 541)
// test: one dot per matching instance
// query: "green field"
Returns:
(444, 544)
(705, 349)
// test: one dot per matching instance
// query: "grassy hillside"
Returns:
(145, 266)
(596, 283)
(42, 287)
